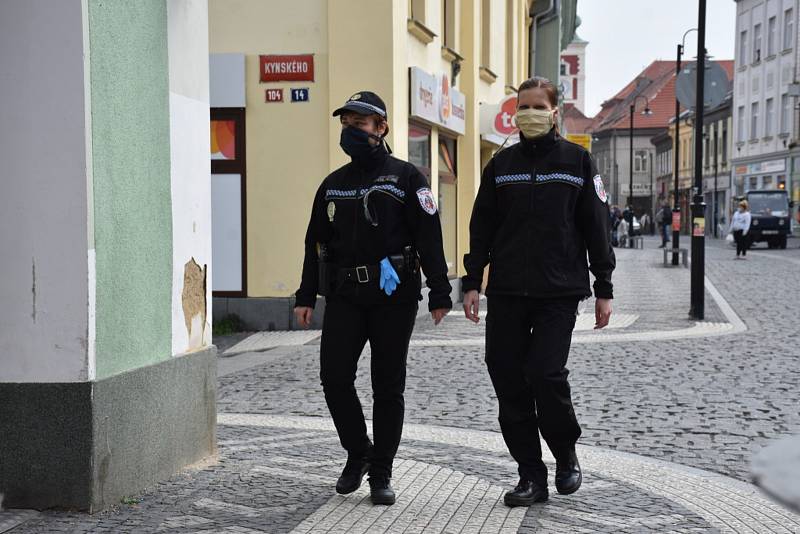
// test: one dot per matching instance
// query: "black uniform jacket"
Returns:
(540, 207)
(400, 200)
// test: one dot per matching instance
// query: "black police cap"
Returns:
(364, 103)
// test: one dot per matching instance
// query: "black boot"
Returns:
(353, 473)
(568, 474)
(381, 491)
(526, 493)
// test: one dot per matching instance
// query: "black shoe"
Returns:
(568, 474)
(526, 493)
(353, 473)
(380, 490)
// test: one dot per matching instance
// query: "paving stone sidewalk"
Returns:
(669, 428)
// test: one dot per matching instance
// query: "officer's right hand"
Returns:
(472, 305)
(303, 315)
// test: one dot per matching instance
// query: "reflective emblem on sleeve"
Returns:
(425, 197)
(599, 188)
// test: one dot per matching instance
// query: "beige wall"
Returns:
(287, 145)
(292, 147)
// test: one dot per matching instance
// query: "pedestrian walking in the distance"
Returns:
(740, 227)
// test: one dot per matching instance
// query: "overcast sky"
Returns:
(627, 35)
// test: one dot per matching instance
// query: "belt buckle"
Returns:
(359, 270)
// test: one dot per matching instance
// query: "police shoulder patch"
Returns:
(425, 197)
(599, 188)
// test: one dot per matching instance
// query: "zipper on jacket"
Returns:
(529, 224)
(355, 223)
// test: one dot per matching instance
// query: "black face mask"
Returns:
(355, 143)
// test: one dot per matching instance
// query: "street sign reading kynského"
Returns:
(287, 68)
(715, 85)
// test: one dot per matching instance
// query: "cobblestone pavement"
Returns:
(669, 426)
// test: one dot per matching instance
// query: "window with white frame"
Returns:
(756, 43)
(788, 29)
(754, 120)
(785, 114)
(771, 23)
(769, 117)
(740, 133)
(743, 47)
(640, 161)
(724, 143)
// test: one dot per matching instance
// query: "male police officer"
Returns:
(541, 205)
(373, 222)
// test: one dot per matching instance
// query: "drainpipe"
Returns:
(540, 16)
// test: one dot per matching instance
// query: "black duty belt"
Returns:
(363, 274)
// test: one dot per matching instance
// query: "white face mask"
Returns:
(535, 123)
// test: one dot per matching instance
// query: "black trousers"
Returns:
(527, 345)
(742, 242)
(348, 325)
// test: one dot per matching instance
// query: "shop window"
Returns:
(753, 183)
(228, 206)
(766, 182)
(223, 139)
(419, 149)
(448, 201)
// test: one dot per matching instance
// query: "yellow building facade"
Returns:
(434, 63)
(685, 170)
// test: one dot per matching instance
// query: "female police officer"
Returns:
(540, 207)
(373, 222)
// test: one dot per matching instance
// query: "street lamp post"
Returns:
(676, 232)
(698, 205)
(630, 135)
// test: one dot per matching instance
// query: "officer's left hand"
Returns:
(438, 315)
(602, 313)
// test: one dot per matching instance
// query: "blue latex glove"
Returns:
(389, 278)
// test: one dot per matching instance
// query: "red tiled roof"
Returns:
(656, 83)
(575, 122)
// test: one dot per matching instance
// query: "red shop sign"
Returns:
(287, 68)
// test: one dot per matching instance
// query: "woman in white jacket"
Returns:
(740, 226)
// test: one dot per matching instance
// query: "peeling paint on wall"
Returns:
(194, 302)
